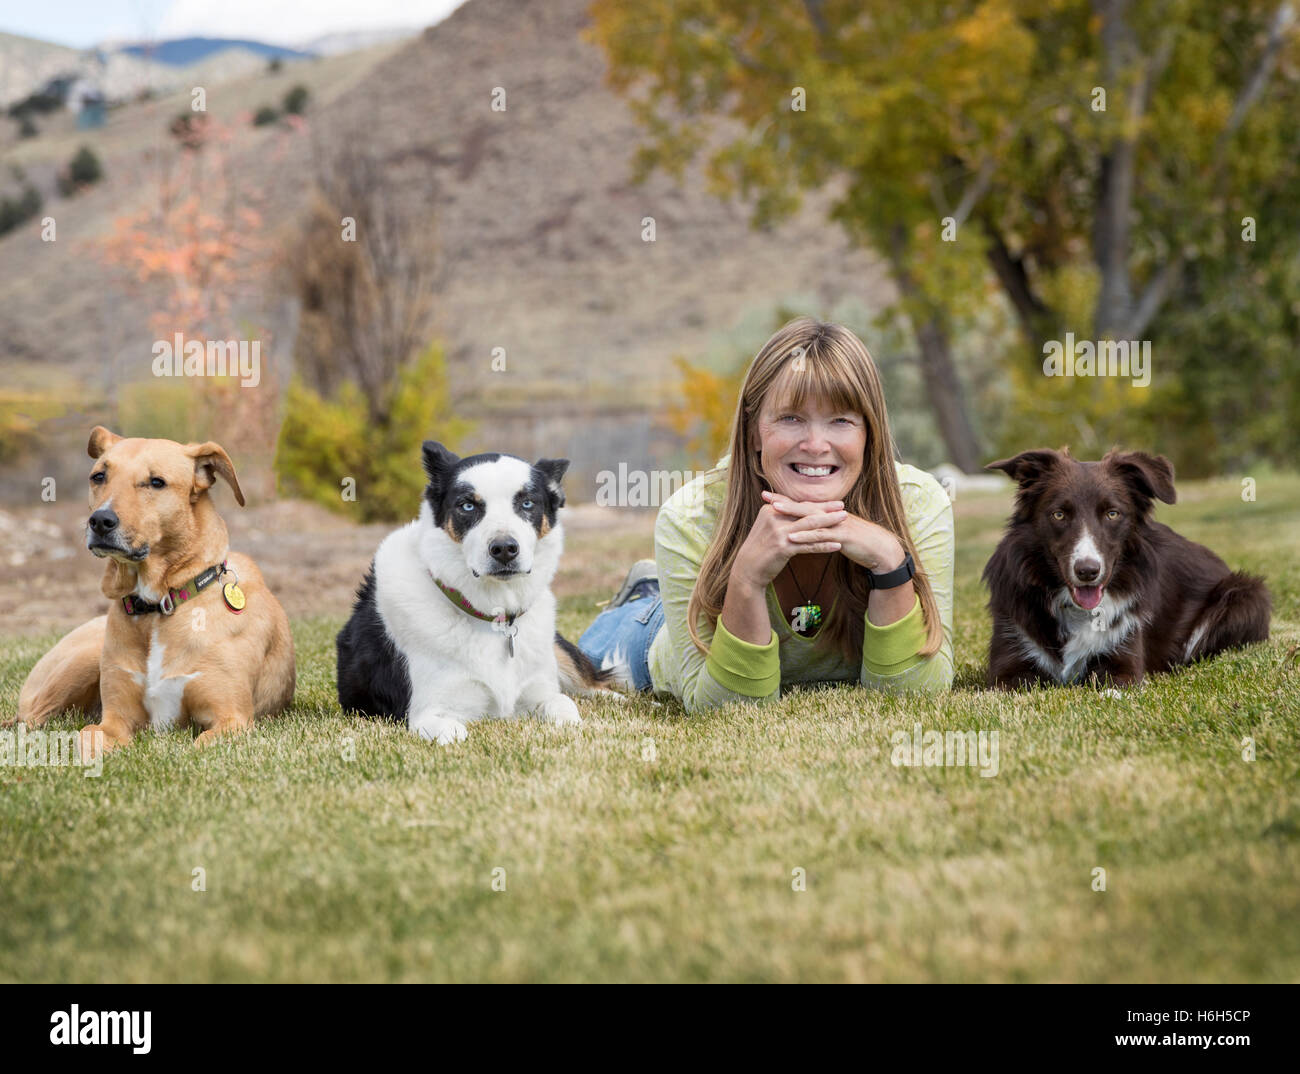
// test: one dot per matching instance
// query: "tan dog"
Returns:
(185, 642)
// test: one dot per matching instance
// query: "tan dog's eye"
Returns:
(97, 478)
(157, 483)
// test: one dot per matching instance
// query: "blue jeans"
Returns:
(621, 636)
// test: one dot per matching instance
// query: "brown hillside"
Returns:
(539, 226)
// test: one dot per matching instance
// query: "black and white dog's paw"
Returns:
(443, 730)
(559, 710)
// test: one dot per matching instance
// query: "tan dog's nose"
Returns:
(103, 522)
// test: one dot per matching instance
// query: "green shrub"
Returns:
(85, 167)
(15, 211)
(325, 441)
(40, 103)
(21, 417)
(295, 100)
(83, 170)
(163, 407)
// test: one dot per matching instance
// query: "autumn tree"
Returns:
(189, 253)
(363, 266)
(1094, 166)
(361, 263)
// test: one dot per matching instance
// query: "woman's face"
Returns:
(812, 452)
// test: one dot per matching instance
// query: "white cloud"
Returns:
(290, 22)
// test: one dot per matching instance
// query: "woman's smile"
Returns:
(807, 469)
(812, 452)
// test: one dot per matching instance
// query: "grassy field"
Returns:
(646, 845)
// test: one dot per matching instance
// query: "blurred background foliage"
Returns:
(324, 439)
(1014, 170)
(708, 386)
(365, 340)
(22, 414)
(1101, 167)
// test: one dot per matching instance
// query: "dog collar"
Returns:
(504, 623)
(458, 598)
(135, 606)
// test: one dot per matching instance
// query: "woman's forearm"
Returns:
(885, 606)
(744, 610)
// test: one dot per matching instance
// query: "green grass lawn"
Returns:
(646, 845)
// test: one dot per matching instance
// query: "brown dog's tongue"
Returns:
(1087, 596)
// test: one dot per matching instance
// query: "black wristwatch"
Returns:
(893, 579)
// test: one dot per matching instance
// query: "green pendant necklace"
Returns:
(807, 615)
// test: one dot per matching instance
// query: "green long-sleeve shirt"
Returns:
(738, 670)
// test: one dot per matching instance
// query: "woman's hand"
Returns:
(777, 535)
(767, 549)
(865, 543)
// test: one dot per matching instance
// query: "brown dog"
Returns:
(193, 637)
(1086, 586)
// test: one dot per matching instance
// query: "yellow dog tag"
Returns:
(234, 596)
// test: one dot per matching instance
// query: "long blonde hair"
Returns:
(826, 362)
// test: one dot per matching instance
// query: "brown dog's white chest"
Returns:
(164, 678)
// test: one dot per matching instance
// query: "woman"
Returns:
(807, 555)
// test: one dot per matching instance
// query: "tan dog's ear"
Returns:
(211, 459)
(100, 441)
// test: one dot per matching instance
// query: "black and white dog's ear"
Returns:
(1028, 466)
(1149, 475)
(438, 461)
(554, 470)
(438, 464)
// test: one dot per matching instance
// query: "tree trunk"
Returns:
(1036, 319)
(944, 390)
(943, 386)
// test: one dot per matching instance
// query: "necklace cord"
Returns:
(799, 588)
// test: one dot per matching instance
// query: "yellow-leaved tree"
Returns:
(1108, 169)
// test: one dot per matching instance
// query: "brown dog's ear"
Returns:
(211, 459)
(100, 441)
(1027, 466)
(1151, 475)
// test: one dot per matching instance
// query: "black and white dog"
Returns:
(455, 620)
(1084, 585)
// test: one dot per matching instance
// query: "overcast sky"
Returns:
(81, 23)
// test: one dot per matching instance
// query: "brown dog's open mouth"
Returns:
(1087, 597)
